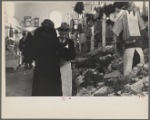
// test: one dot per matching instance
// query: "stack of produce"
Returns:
(93, 83)
(102, 76)
(146, 54)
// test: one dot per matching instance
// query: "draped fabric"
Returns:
(123, 25)
(79, 7)
(131, 25)
(11, 32)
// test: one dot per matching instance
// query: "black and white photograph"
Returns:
(72, 50)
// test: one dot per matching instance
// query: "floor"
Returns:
(19, 83)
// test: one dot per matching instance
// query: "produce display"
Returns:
(101, 74)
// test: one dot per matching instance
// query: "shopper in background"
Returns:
(28, 52)
(22, 46)
(88, 34)
(65, 65)
(7, 42)
(47, 51)
(25, 46)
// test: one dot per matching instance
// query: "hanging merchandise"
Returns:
(121, 21)
(88, 32)
(80, 26)
(11, 32)
(115, 16)
(72, 24)
(133, 24)
(98, 31)
(16, 32)
(96, 15)
(98, 26)
(109, 32)
(79, 7)
(99, 13)
(108, 9)
(88, 15)
(80, 16)
(121, 5)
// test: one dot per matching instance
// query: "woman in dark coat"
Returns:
(28, 55)
(22, 45)
(47, 50)
(25, 46)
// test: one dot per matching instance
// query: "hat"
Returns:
(64, 27)
(47, 22)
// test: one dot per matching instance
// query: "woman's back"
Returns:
(45, 46)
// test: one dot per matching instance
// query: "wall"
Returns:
(41, 9)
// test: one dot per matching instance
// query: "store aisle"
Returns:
(19, 83)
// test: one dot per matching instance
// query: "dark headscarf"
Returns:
(47, 23)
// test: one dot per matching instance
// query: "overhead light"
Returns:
(56, 17)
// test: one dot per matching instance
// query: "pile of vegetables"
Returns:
(100, 74)
(93, 83)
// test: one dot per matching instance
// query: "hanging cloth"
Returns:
(79, 7)
(98, 26)
(11, 32)
(133, 24)
(72, 23)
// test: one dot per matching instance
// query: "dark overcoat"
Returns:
(47, 51)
